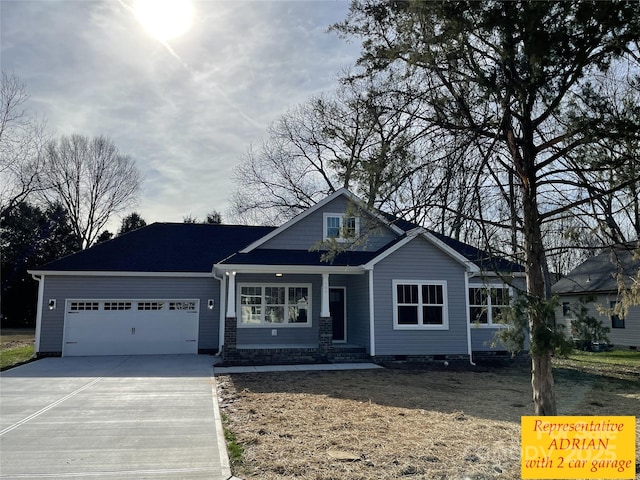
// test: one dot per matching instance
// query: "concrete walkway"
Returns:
(112, 417)
(295, 368)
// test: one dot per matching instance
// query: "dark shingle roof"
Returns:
(599, 273)
(188, 247)
(481, 258)
(163, 247)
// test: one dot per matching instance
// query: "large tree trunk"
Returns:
(541, 369)
(544, 398)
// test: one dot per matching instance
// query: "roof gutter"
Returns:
(223, 306)
(292, 269)
(96, 273)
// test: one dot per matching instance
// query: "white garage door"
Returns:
(131, 327)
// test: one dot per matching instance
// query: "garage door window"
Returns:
(128, 305)
(111, 306)
(190, 306)
(150, 305)
(84, 306)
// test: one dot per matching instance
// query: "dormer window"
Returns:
(340, 227)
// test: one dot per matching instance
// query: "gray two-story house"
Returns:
(337, 282)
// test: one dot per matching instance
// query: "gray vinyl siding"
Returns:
(358, 326)
(62, 288)
(287, 335)
(483, 336)
(629, 336)
(420, 260)
(308, 232)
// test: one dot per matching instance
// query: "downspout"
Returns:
(223, 288)
(372, 323)
(467, 276)
(40, 280)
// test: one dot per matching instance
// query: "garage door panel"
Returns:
(137, 328)
(94, 334)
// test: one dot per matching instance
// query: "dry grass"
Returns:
(16, 347)
(399, 423)
(16, 337)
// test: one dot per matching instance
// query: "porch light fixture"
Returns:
(210, 304)
(52, 304)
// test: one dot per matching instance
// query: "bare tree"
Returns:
(22, 139)
(92, 180)
(366, 136)
(515, 78)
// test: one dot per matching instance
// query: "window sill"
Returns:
(489, 326)
(421, 327)
(275, 325)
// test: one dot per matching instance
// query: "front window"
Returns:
(420, 305)
(486, 304)
(269, 305)
(340, 227)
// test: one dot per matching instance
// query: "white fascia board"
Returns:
(341, 192)
(292, 269)
(120, 274)
(491, 273)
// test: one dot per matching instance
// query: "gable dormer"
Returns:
(341, 217)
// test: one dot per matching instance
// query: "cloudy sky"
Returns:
(187, 109)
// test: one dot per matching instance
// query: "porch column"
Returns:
(231, 296)
(230, 322)
(326, 325)
(324, 309)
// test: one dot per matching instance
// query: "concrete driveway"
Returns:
(111, 417)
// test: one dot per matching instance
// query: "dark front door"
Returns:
(337, 310)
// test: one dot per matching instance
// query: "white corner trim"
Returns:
(40, 281)
(372, 318)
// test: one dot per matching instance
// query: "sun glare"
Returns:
(164, 19)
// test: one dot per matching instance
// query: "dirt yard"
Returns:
(16, 337)
(442, 423)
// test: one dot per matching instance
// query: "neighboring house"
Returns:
(597, 280)
(264, 294)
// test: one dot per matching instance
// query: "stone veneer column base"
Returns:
(325, 328)
(229, 349)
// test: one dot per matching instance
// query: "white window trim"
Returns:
(341, 216)
(489, 323)
(420, 283)
(264, 324)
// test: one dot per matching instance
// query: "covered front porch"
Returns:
(285, 315)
